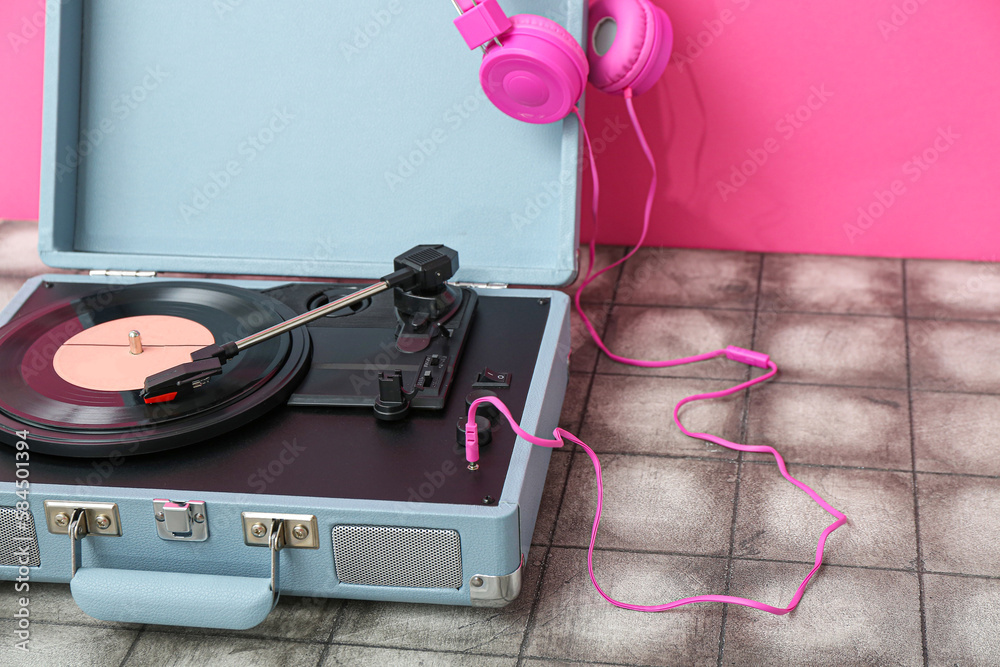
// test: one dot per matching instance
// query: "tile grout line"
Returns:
(744, 429)
(533, 608)
(328, 644)
(804, 464)
(913, 472)
(796, 383)
(529, 624)
(417, 649)
(131, 648)
(796, 311)
(749, 559)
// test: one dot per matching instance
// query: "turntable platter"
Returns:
(55, 387)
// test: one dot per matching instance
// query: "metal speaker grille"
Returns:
(14, 535)
(396, 556)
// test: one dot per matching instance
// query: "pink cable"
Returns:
(590, 276)
(561, 435)
(733, 353)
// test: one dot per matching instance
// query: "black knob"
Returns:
(487, 410)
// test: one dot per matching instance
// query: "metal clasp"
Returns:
(187, 521)
(277, 532)
(79, 519)
(276, 542)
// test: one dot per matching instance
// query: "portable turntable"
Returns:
(176, 466)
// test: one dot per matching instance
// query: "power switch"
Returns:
(491, 379)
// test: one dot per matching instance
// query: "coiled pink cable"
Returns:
(736, 354)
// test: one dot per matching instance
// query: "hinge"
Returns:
(482, 285)
(114, 273)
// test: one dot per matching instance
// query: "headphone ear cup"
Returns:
(537, 74)
(638, 50)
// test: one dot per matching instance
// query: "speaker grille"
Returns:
(14, 535)
(396, 556)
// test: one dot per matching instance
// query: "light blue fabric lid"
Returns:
(295, 138)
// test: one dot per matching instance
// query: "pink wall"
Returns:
(892, 151)
(900, 74)
(21, 44)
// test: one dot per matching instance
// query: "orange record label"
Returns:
(99, 358)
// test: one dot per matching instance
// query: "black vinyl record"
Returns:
(68, 420)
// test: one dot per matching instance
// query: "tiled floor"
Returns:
(888, 404)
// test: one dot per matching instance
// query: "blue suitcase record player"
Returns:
(317, 141)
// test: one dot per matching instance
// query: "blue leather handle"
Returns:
(173, 598)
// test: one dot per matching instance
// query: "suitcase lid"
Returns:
(299, 138)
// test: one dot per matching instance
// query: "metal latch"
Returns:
(186, 521)
(277, 532)
(298, 531)
(99, 518)
(80, 519)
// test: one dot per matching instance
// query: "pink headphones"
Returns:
(533, 70)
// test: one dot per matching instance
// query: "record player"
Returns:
(322, 142)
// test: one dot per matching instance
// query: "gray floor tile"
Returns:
(668, 333)
(831, 425)
(845, 285)
(439, 627)
(836, 349)
(963, 621)
(955, 356)
(19, 249)
(572, 622)
(848, 616)
(548, 509)
(546, 662)
(635, 415)
(956, 432)
(776, 520)
(603, 288)
(958, 527)
(953, 290)
(650, 504)
(683, 277)
(366, 656)
(584, 350)
(304, 618)
(53, 603)
(573, 404)
(156, 648)
(76, 645)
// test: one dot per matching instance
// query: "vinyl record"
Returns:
(67, 419)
